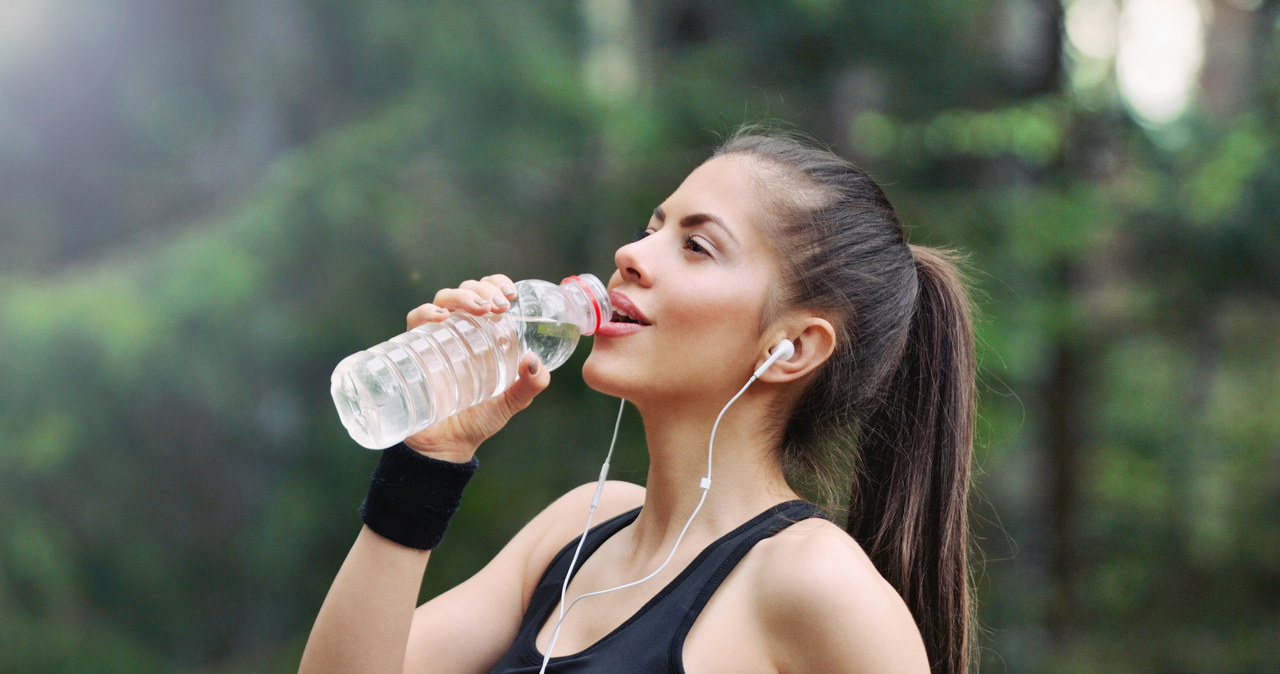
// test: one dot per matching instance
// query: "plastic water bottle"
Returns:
(390, 391)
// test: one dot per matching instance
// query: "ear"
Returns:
(814, 339)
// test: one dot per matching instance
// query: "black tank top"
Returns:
(652, 639)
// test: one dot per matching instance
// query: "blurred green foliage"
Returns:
(203, 208)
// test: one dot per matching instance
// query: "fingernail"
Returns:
(509, 290)
(480, 302)
(500, 302)
(533, 367)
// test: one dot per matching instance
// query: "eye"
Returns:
(691, 244)
(640, 233)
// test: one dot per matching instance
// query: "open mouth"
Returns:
(624, 311)
(620, 317)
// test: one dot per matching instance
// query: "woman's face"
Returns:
(689, 295)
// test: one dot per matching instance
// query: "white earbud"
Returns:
(784, 350)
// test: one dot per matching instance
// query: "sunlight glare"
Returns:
(22, 24)
(1091, 27)
(1158, 59)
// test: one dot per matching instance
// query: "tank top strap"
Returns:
(523, 655)
(724, 556)
(635, 646)
(596, 537)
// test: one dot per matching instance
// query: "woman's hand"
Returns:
(456, 438)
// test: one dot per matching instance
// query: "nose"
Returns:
(632, 263)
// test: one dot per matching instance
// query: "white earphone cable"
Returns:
(595, 502)
(704, 484)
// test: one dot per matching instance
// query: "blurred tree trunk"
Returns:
(1036, 63)
(1063, 393)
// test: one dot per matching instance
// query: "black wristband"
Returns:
(412, 496)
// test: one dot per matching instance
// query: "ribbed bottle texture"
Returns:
(392, 390)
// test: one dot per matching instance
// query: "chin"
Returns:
(605, 374)
(592, 375)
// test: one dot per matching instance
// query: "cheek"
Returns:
(736, 301)
(721, 329)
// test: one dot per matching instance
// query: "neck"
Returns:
(745, 475)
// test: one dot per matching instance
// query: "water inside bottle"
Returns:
(553, 341)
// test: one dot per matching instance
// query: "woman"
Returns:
(768, 240)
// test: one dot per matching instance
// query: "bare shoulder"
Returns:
(825, 607)
(566, 517)
(485, 610)
(570, 511)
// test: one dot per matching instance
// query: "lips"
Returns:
(627, 317)
(625, 311)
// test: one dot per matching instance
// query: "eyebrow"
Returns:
(695, 219)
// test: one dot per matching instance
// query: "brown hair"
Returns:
(893, 406)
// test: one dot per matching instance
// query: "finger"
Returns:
(474, 297)
(493, 292)
(462, 299)
(504, 283)
(426, 313)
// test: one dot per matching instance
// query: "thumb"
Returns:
(534, 378)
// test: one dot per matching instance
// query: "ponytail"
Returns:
(894, 403)
(908, 502)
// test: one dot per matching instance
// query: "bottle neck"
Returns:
(591, 298)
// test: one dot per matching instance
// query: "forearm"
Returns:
(363, 625)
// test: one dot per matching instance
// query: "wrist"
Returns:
(452, 453)
(412, 496)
